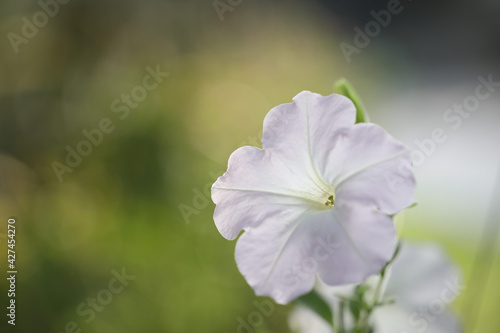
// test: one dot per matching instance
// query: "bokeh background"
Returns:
(140, 200)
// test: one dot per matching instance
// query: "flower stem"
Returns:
(341, 316)
(363, 324)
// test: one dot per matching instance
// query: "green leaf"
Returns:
(360, 290)
(317, 304)
(386, 302)
(343, 87)
(355, 310)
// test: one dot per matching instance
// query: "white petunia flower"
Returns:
(315, 200)
(422, 282)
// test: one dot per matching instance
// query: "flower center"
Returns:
(323, 194)
(331, 201)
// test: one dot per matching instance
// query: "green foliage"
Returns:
(316, 303)
(343, 87)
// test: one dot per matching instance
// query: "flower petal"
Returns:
(397, 319)
(365, 240)
(257, 189)
(343, 246)
(367, 165)
(295, 132)
(273, 257)
(421, 274)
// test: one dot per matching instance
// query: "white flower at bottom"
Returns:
(315, 200)
(422, 282)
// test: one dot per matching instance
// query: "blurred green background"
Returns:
(139, 200)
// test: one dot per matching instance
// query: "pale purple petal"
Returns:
(367, 165)
(298, 131)
(257, 189)
(343, 245)
(397, 319)
(422, 274)
(365, 240)
(277, 259)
